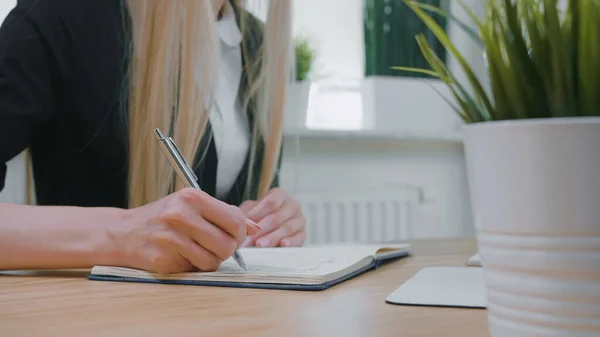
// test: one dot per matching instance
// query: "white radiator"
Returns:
(367, 215)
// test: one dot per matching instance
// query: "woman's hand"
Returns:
(185, 231)
(280, 219)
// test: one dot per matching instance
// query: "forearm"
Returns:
(44, 237)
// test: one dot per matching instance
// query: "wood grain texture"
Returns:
(65, 303)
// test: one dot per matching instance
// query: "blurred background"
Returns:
(373, 154)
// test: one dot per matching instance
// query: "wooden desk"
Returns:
(67, 304)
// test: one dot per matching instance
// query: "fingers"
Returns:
(228, 218)
(182, 213)
(276, 209)
(271, 203)
(247, 205)
(251, 227)
(193, 226)
(288, 229)
(189, 230)
(287, 211)
(295, 240)
(249, 242)
(191, 254)
(199, 257)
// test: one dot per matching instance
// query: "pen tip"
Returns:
(238, 258)
(242, 263)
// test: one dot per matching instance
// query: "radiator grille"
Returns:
(366, 215)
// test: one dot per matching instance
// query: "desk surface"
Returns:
(67, 304)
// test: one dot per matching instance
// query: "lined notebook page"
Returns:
(280, 265)
(296, 261)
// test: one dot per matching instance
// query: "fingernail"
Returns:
(246, 242)
(286, 242)
(252, 224)
(263, 242)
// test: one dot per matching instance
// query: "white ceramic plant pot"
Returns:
(535, 188)
(297, 105)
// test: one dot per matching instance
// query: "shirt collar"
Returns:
(227, 28)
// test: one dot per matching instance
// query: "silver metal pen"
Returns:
(185, 173)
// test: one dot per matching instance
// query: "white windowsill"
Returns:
(327, 134)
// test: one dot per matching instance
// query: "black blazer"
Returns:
(61, 95)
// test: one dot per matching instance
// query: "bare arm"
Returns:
(187, 230)
(44, 237)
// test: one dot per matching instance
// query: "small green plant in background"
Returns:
(542, 62)
(305, 57)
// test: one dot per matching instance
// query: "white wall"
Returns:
(437, 167)
(5, 7)
(15, 182)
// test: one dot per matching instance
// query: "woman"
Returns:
(83, 83)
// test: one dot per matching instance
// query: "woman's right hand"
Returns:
(185, 231)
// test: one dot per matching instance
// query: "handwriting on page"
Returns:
(296, 261)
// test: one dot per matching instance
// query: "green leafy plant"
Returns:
(542, 62)
(305, 56)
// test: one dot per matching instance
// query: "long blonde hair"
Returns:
(171, 40)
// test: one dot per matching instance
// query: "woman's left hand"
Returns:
(280, 218)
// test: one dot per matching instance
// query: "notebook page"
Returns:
(305, 261)
(300, 264)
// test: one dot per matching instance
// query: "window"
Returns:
(335, 106)
(335, 28)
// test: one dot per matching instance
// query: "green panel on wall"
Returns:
(390, 27)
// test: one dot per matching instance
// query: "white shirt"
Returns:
(229, 123)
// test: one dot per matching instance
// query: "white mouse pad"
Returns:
(461, 287)
(474, 261)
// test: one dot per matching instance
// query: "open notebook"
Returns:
(300, 268)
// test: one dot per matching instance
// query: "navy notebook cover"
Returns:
(308, 287)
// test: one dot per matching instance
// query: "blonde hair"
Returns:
(171, 42)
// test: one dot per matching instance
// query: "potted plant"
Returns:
(299, 90)
(532, 145)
